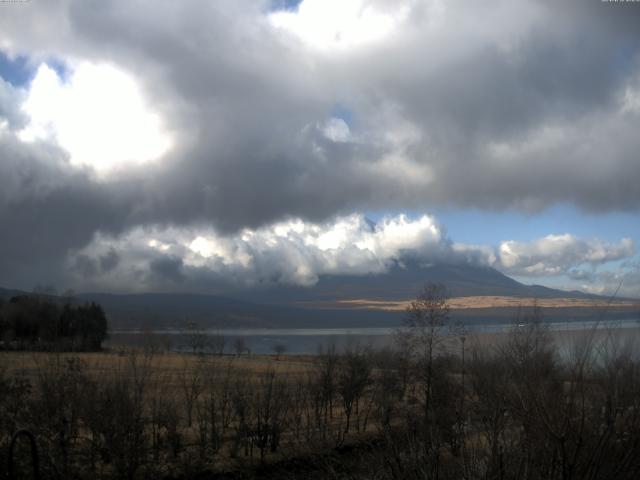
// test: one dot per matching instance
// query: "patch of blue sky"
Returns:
(479, 226)
(291, 5)
(377, 215)
(340, 111)
(20, 70)
(17, 71)
(59, 67)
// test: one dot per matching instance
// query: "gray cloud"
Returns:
(109, 260)
(512, 105)
(85, 266)
(47, 209)
(560, 255)
(291, 252)
(581, 274)
(295, 252)
(167, 269)
(624, 282)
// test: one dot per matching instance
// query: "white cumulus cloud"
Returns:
(337, 130)
(97, 115)
(557, 254)
(299, 252)
(292, 252)
(329, 25)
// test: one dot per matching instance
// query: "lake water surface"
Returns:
(308, 340)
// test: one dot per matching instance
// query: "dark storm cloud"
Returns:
(88, 267)
(109, 260)
(501, 105)
(46, 209)
(254, 161)
(167, 268)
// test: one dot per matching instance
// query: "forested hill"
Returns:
(34, 322)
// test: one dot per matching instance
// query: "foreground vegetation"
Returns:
(439, 405)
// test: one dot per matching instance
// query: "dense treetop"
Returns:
(43, 323)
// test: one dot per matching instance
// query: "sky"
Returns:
(189, 146)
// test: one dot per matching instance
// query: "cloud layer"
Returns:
(295, 252)
(381, 105)
(557, 254)
(291, 252)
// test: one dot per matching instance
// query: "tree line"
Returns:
(33, 322)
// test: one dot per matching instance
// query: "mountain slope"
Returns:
(283, 306)
(403, 282)
(167, 310)
(6, 294)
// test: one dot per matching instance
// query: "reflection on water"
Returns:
(308, 340)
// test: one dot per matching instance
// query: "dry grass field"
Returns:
(356, 414)
(30, 364)
(480, 302)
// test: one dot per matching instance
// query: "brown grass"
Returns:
(105, 363)
(462, 303)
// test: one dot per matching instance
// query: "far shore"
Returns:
(479, 302)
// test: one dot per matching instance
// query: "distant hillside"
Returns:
(282, 306)
(293, 306)
(6, 294)
(176, 310)
(403, 282)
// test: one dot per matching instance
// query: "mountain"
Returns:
(316, 307)
(175, 311)
(169, 310)
(6, 294)
(404, 281)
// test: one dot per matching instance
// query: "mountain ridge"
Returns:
(404, 281)
(285, 306)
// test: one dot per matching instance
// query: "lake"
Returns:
(308, 340)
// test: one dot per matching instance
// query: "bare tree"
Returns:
(196, 337)
(270, 403)
(191, 383)
(240, 346)
(426, 329)
(217, 403)
(327, 363)
(279, 349)
(353, 378)
(389, 384)
(217, 343)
